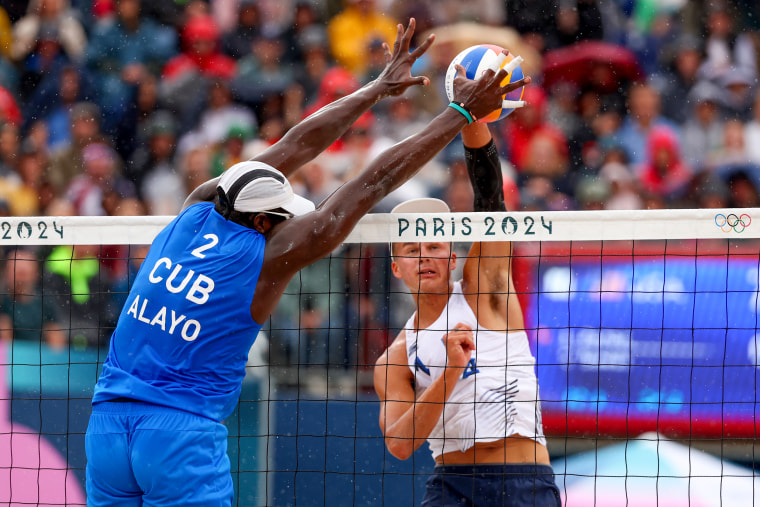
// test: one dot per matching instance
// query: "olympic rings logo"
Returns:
(732, 222)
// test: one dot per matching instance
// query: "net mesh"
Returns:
(643, 325)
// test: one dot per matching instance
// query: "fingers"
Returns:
(512, 104)
(406, 40)
(399, 36)
(423, 47)
(512, 65)
(509, 87)
(387, 53)
(496, 64)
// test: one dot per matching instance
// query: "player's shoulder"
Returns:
(397, 349)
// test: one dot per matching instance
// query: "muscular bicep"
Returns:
(394, 383)
(487, 268)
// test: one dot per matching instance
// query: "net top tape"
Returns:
(404, 227)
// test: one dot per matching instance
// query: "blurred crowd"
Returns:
(122, 107)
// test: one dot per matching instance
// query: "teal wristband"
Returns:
(465, 112)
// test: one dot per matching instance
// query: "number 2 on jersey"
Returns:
(213, 240)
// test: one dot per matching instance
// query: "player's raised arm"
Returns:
(487, 269)
(338, 214)
(314, 134)
(304, 239)
(484, 170)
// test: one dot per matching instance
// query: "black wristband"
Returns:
(484, 169)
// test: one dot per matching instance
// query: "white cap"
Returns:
(252, 186)
(422, 205)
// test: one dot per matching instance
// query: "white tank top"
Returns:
(497, 395)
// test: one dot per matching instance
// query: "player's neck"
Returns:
(430, 306)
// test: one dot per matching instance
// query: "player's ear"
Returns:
(452, 261)
(261, 223)
(394, 269)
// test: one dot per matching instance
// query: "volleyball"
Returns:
(476, 60)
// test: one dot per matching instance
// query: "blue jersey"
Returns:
(184, 333)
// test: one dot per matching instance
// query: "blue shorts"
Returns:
(491, 486)
(144, 454)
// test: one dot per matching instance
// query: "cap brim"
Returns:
(299, 206)
(422, 205)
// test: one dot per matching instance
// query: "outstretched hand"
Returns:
(397, 75)
(486, 94)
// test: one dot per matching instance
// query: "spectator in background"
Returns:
(9, 75)
(644, 114)
(129, 134)
(157, 142)
(46, 38)
(166, 12)
(727, 49)
(201, 55)
(359, 146)
(98, 189)
(562, 108)
(578, 20)
(26, 314)
(546, 158)
(53, 100)
(37, 139)
(315, 62)
(738, 87)
(524, 124)
(261, 74)
(592, 193)
(305, 19)
(200, 62)
(9, 108)
(351, 31)
(80, 290)
(703, 130)
(28, 194)
(743, 190)
(10, 183)
(10, 143)
(458, 193)
(677, 76)
(315, 181)
(66, 163)
(122, 52)
(217, 113)
(399, 118)
(601, 119)
(536, 22)
(624, 188)
(6, 35)
(195, 165)
(375, 61)
(651, 31)
(151, 168)
(708, 191)
(752, 132)
(238, 42)
(733, 156)
(665, 174)
(230, 152)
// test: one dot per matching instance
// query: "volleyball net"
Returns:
(644, 326)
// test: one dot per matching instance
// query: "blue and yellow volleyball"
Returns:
(476, 60)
